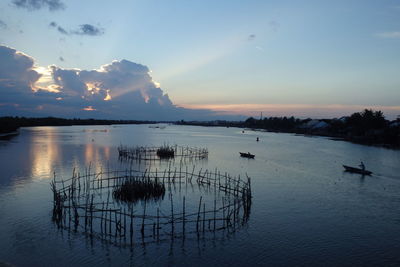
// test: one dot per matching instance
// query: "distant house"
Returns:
(314, 125)
(395, 123)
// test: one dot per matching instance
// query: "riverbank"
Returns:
(10, 125)
(367, 127)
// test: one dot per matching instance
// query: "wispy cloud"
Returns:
(32, 5)
(389, 35)
(84, 29)
(251, 37)
(260, 48)
(62, 30)
(274, 25)
(3, 25)
(87, 29)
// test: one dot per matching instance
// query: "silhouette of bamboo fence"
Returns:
(151, 152)
(84, 203)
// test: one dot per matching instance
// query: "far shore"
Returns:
(367, 127)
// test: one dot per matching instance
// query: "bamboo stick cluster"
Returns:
(153, 152)
(85, 203)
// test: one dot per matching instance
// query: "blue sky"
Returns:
(301, 58)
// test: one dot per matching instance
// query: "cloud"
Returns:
(274, 25)
(87, 29)
(62, 30)
(16, 72)
(389, 35)
(31, 5)
(3, 25)
(59, 28)
(251, 37)
(119, 90)
(260, 48)
(84, 29)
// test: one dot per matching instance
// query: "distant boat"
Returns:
(247, 155)
(356, 170)
(157, 127)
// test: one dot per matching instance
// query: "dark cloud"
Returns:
(59, 28)
(17, 77)
(84, 29)
(3, 25)
(87, 29)
(31, 5)
(251, 37)
(16, 71)
(62, 30)
(119, 90)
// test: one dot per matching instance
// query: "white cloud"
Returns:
(389, 35)
(119, 90)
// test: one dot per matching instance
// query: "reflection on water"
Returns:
(47, 149)
(44, 152)
(94, 153)
(305, 209)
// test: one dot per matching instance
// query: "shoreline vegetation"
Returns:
(12, 124)
(367, 127)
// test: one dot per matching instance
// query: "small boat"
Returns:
(356, 170)
(247, 155)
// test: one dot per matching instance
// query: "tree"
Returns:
(366, 120)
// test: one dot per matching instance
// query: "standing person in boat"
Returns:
(362, 166)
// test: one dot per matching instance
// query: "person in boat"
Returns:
(258, 139)
(362, 166)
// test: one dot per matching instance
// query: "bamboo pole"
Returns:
(198, 215)
(183, 217)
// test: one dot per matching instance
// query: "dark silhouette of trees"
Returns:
(362, 122)
(10, 124)
(283, 124)
(366, 127)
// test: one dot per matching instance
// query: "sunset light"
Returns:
(199, 133)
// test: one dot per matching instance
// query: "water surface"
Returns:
(305, 211)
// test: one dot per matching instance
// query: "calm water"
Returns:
(305, 210)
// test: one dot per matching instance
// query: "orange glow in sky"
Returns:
(302, 110)
(89, 108)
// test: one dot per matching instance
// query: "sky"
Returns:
(170, 60)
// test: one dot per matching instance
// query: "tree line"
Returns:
(366, 127)
(11, 124)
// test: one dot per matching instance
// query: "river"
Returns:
(305, 209)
